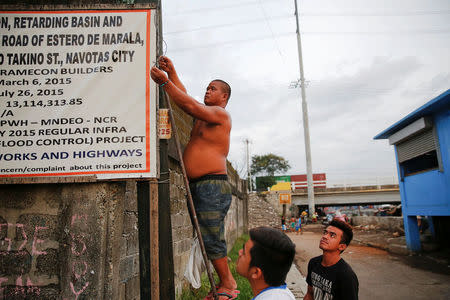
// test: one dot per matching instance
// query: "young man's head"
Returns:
(336, 236)
(266, 256)
(217, 93)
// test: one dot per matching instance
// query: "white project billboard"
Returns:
(75, 93)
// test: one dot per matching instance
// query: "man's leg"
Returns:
(226, 278)
(212, 201)
(220, 264)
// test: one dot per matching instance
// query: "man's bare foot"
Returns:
(224, 294)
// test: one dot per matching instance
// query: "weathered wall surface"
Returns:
(62, 241)
(274, 200)
(262, 211)
(387, 223)
(69, 241)
(80, 240)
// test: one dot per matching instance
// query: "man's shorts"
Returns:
(212, 198)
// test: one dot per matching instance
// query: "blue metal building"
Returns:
(422, 150)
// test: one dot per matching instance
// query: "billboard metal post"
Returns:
(305, 121)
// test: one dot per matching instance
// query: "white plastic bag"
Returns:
(195, 266)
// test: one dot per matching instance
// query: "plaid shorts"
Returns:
(212, 198)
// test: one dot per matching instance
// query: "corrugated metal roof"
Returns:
(439, 103)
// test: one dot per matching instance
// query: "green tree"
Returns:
(268, 165)
(263, 182)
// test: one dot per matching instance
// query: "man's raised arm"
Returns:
(166, 65)
(210, 114)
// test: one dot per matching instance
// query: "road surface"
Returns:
(382, 275)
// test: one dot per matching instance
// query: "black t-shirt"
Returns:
(337, 282)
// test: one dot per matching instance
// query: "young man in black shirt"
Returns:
(329, 276)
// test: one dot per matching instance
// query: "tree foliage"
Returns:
(263, 182)
(269, 164)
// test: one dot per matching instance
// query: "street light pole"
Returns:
(305, 121)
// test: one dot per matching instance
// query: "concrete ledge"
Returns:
(398, 249)
(296, 282)
(391, 224)
(371, 244)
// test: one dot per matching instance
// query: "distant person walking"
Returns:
(283, 223)
(292, 224)
(304, 215)
(298, 226)
(314, 217)
(329, 276)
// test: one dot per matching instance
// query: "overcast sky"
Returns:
(368, 64)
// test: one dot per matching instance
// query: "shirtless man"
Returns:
(205, 160)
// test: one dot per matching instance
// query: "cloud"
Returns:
(360, 84)
(344, 116)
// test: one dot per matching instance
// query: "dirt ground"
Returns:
(383, 275)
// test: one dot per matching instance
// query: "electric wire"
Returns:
(271, 32)
(224, 25)
(285, 34)
(319, 14)
(200, 10)
(160, 42)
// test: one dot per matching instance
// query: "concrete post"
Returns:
(412, 233)
(309, 175)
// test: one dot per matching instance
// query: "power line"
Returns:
(428, 31)
(265, 19)
(200, 10)
(406, 32)
(319, 13)
(227, 25)
(271, 31)
(265, 37)
(376, 14)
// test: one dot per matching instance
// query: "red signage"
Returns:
(301, 182)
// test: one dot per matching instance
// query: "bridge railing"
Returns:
(362, 181)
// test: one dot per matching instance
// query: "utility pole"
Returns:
(305, 121)
(249, 174)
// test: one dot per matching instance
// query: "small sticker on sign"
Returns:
(165, 128)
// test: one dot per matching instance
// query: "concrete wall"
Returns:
(387, 223)
(273, 199)
(80, 240)
(69, 241)
(261, 212)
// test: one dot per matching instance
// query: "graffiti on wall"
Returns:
(78, 283)
(17, 257)
(29, 262)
